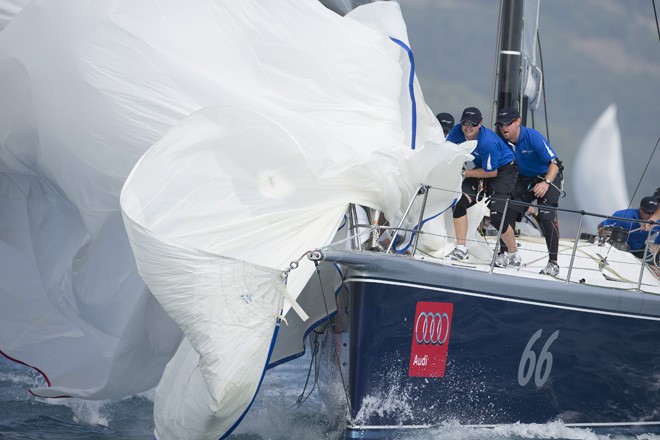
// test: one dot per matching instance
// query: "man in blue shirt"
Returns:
(637, 233)
(494, 167)
(539, 179)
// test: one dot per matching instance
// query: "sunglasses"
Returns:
(502, 124)
(469, 124)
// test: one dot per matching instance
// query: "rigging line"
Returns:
(657, 26)
(639, 182)
(648, 162)
(655, 13)
(301, 398)
(545, 102)
(327, 312)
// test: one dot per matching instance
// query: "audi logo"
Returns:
(432, 328)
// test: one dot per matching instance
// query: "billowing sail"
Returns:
(598, 178)
(266, 121)
(76, 112)
(220, 206)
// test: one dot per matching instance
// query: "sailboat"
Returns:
(433, 340)
(167, 173)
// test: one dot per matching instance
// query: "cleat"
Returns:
(551, 269)
(458, 255)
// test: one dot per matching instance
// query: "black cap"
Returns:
(471, 114)
(656, 194)
(506, 115)
(649, 204)
(446, 120)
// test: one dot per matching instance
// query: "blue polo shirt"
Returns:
(490, 153)
(533, 153)
(637, 239)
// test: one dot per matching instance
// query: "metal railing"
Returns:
(649, 257)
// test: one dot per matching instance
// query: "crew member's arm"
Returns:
(542, 187)
(488, 158)
(480, 173)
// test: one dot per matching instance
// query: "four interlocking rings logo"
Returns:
(432, 328)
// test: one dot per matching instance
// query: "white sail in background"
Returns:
(598, 178)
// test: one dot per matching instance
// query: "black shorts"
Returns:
(498, 188)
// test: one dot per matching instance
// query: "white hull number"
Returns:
(531, 365)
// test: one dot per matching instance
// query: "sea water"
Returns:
(276, 414)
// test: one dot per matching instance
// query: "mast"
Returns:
(510, 58)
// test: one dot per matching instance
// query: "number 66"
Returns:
(528, 364)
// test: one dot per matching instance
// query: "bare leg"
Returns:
(461, 223)
(509, 238)
(460, 228)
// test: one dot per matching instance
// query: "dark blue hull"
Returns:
(525, 355)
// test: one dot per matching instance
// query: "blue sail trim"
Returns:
(312, 326)
(263, 374)
(418, 227)
(411, 79)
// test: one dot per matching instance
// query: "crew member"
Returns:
(494, 166)
(539, 179)
(637, 233)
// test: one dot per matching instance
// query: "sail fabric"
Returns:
(600, 186)
(266, 120)
(256, 183)
(72, 304)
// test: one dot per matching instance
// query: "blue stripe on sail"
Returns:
(419, 227)
(312, 326)
(411, 90)
(263, 374)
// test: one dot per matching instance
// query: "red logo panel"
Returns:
(430, 339)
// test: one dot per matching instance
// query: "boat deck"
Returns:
(587, 260)
(621, 271)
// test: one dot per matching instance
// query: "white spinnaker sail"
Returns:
(215, 211)
(242, 186)
(87, 88)
(598, 178)
(77, 110)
